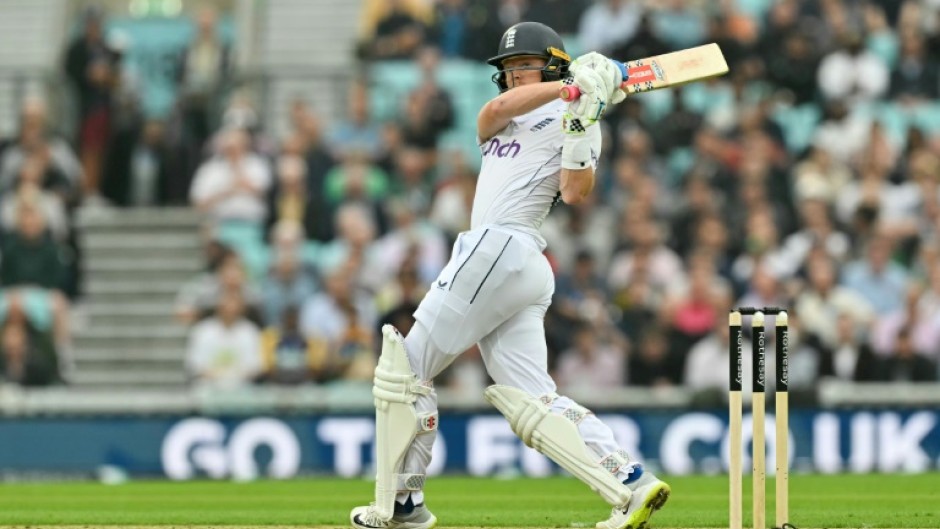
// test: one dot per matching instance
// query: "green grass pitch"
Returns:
(886, 501)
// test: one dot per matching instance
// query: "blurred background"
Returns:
(209, 208)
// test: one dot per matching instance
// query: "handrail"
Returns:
(356, 398)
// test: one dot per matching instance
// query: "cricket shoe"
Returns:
(405, 517)
(646, 500)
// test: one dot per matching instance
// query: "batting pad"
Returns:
(558, 438)
(395, 389)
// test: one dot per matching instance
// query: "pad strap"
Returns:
(614, 461)
(410, 482)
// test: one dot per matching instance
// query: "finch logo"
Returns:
(502, 150)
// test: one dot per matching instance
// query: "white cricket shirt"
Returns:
(520, 172)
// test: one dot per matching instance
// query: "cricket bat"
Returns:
(668, 69)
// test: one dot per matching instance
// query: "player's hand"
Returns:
(611, 73)
(590, 106)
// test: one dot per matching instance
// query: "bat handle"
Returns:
(569, 93)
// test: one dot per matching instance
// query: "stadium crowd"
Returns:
(714, 197)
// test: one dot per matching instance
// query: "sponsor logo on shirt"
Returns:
(541, 124)
(500, 149)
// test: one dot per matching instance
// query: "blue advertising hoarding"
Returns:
(186, 447)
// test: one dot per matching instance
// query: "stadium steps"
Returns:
(31, 41)
(123, 377)
(303, 52)
(111, 291)
(129, 313)
(134, 263)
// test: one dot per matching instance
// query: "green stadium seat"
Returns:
(391, 80)
(927, 117)
(895, 121)
(885, 46)
(799, 124)
(756, 9)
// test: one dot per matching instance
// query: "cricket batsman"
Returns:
(496, 288)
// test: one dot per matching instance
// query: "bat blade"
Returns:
(666, 70)
(672, 69)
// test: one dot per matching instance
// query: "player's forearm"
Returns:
(576, 184)
(499, 111)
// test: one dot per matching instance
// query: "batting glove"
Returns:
(582, 143)
(611, 73)
(590, 106)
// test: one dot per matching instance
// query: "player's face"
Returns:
(523, 70)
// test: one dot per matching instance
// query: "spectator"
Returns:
(27, 357)
(679, 24)
(701, 374)
(561, 15)
(608, 24)
(487, 21)
(645, 41)
(764, 291)
(820, 176)
(405, 289)
(851, 72)
(823, 301)
(676, 129)
(354, 246)
(202, 72)
(818, 231)
(879, 280)
(290, 201)
(91, 66)
(915, 77)
(410, 183)
(920, 319)
(580, 294)
(230, 187)
(342, 317)
(144, 177)
(453, 201)
(412, 234)
(793, 67)
(307, 142)
(586, 224)
(225, 349)
(450, 29)
(60, 170)
(591, 363)
(842, 133)
(429, 110)
(907, 364)
(646, 254)
(197, 299)
(358, 136)
(33, 276)
(398, 32)
(849, 357)
(690, 312)
(287, 284)
(288, 356)
(29, 190)
(654, 363)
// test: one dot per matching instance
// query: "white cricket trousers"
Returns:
(493, 292)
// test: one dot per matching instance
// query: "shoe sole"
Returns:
(430, 524)
(653, 502)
